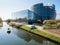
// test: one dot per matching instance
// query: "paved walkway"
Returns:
(54, 32)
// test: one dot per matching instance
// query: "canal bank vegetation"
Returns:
(14, 24)
(8, 21)
(36, 31)
(51, 24)
(1, 22)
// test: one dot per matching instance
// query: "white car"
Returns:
(33, 27)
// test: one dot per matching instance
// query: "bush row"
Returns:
(51, 24)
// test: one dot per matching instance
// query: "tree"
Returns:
(39, 21)
(8, 20)
(0, 19)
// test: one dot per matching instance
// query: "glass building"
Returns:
(19, 14)
(38, 11)
(44, 12)
(25, 14)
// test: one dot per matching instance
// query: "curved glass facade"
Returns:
(25, 13)
(44, 12)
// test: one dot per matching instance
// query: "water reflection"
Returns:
(32, 38)
(23, 34)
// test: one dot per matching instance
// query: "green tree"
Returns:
(8, 20)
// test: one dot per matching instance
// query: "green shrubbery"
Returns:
(8, 20)
(13, 24)
(51, 24)
(1, 22)
(58, 25)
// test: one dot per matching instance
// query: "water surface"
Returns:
(20, 37)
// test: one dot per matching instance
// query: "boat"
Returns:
(8, 31)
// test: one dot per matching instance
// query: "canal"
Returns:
(21, 37)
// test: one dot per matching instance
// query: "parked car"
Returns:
(33, 27)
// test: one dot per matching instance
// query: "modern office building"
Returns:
(19, 14)
(44, 12)
(25, 14)
(38, 11)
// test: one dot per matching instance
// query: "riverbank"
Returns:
(1, 24)
(41, 33)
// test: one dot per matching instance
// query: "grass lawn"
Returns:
(25, 27)
(52, 37)
(1, 24)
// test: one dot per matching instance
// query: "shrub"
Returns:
(58, 25)
(8, 20)
(51, 24)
